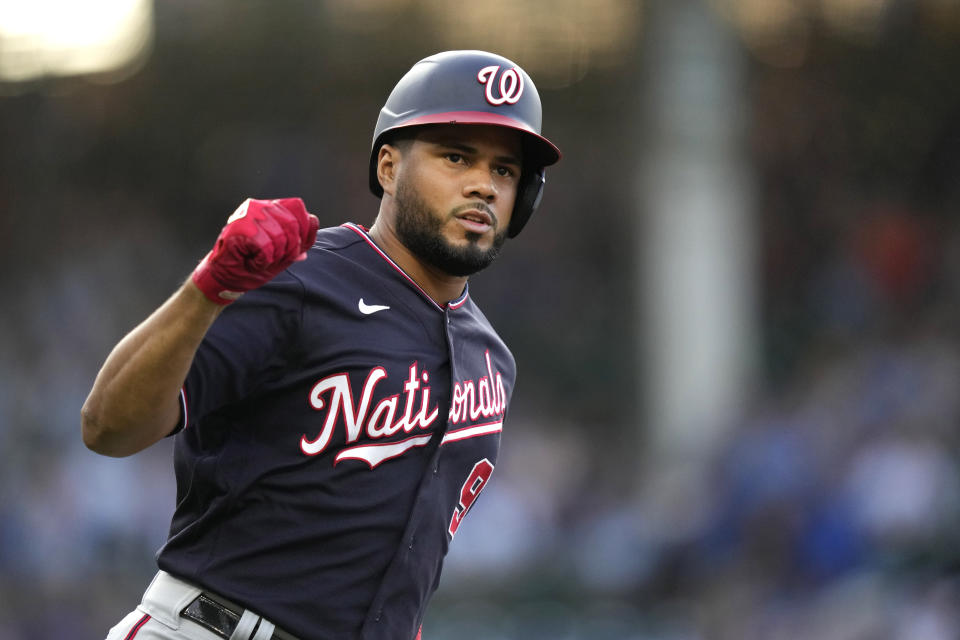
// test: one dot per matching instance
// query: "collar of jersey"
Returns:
(453, 304)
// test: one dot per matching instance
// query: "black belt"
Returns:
(221, 618)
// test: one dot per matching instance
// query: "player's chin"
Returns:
(470, 235)
(473, 242)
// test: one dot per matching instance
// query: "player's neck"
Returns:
(440, 286)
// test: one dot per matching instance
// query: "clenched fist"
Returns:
(260, 239)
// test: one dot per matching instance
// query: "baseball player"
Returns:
(336, 396)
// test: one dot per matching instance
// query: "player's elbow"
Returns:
(99, 438)
(112, 429)
(94, 435)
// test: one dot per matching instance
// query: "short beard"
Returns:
(421, 231)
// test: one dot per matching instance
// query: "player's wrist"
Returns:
(212, 289)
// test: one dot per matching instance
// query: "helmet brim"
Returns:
(538, 151)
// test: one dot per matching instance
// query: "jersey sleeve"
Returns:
(244, 346)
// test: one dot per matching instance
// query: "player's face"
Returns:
(455, 195)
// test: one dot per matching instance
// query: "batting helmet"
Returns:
(472, 87)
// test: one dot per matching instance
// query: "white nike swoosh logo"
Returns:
(367, 309)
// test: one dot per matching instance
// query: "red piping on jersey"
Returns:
(456, 304)
(136, 628)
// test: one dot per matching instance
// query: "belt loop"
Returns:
(166, 597)
(248, 621)
(265, 632)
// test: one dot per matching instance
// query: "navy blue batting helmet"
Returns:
(472, 87)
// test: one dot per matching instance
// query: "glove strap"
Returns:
(212, 290)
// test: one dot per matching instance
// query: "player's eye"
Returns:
(504, 172)
(455, 158)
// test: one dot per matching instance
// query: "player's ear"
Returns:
(388, 162)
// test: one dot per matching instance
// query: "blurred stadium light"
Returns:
(779, 32)
(556, 45)
(61, 38)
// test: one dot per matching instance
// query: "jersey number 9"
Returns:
(469, 492)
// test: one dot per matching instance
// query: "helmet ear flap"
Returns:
(529, 194)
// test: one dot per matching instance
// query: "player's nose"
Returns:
(479, 183)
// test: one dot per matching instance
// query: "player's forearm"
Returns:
(134, 399)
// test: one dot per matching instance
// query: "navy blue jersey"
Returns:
(338, 424)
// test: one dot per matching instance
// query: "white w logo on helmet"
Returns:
(510, 85)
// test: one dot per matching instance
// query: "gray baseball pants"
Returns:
(158, 616)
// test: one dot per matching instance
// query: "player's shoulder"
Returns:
(339, 237)
(340, 251)
(330, 262)
(335, 248)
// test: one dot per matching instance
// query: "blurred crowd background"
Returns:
(815, 493)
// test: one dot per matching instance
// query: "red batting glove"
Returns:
(260, 239)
